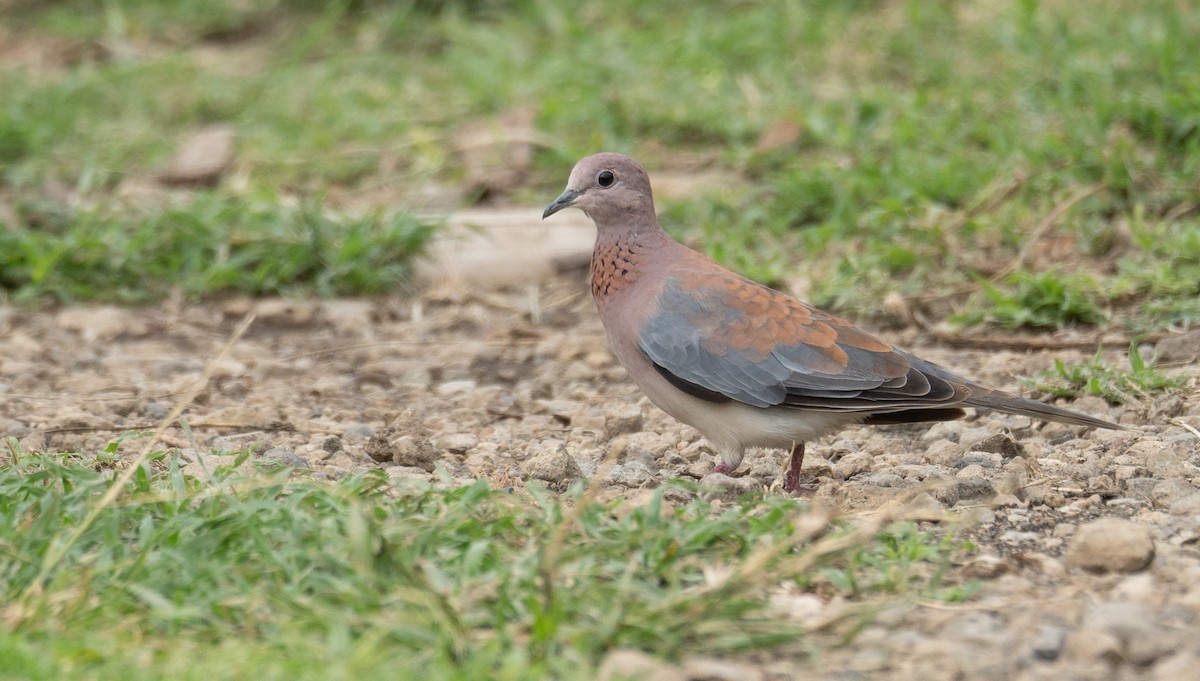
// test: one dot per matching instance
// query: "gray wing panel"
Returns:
(701, 340)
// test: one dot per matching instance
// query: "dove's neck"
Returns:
(624, 256)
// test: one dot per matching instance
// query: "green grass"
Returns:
(936, 139)
(210, 244)
(1141, 381)
(1043, 300)
(277, 577)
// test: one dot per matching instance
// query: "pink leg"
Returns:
(791, 477)
(721, 468)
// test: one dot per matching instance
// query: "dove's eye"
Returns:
(605, 178)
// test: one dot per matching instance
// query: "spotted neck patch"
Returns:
(614, 268)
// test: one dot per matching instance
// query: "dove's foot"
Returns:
(791, 475)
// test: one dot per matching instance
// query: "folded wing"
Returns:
(721, 337)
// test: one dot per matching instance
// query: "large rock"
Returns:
(553, 464)
(1111, 545)
(1181, 348)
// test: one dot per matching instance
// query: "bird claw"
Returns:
(722, 469)
(792, 486)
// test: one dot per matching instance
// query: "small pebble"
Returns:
(278, 457)
(1049, 643)
(1000, 444)
(357, 433)
(155, 410)
(459, 443)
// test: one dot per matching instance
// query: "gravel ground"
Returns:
(1087, 540)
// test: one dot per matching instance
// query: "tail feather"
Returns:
(1012, 404)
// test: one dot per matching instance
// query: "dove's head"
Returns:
(612, 189)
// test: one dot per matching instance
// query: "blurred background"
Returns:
(1013, 164)
(354, 490)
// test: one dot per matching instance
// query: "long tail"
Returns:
(994, 399)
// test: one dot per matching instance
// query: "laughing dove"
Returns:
(746, 365)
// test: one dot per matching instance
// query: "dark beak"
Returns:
(564, 200)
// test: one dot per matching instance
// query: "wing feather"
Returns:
(731, 339)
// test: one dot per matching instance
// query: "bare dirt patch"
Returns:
(458, 384)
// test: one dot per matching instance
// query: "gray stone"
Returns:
(974, 488)
(633, 473)
(1189, 505)
(949, 431)
(278, 457)
(623, 419)
(563, 410)
(881, 479)
(1167, 492)
(1142, 640)
(1000, 444)
(553, 465)
(972, 471)
(852, 464)
(944, 452)
(974, 435)
(1181, 348)
(156, 410)
(358, 432)
(405, 442)
(1126, 502)
(719, 484)
(1017, 537)
(1049, 643)
(459, 443)
(239, 442)
(645, 445)
(1163, 460)
(978, 459)
(919, 472)
(403, 450)
(1139, 488)
(407, 473)
(817, 468)
(15, 429)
